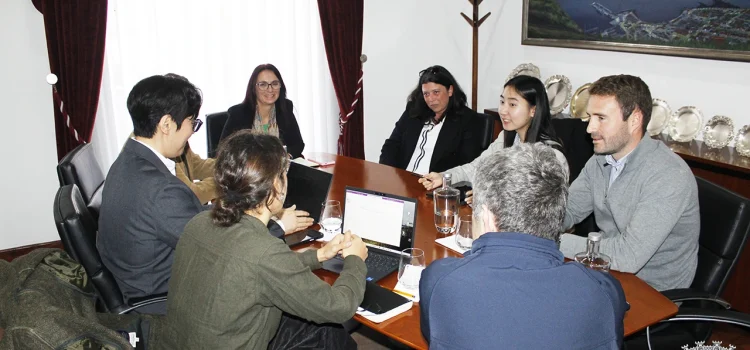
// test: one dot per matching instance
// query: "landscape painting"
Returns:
(715, 29)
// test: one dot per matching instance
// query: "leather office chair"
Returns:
(214, 126)
(725, 226)
(77, 230)
(578, 148)
(488, 128)
(81, 168)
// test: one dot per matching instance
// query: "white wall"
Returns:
(396, 36)
(28, 181)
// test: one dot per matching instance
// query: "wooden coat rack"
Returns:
(475, 22)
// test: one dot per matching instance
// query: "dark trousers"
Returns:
(296, 333)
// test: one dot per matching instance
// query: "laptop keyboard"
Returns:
(380, 262)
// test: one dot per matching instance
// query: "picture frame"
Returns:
(710, 29)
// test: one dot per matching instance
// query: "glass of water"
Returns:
(464, 237)
(410, 267)
(330, 218)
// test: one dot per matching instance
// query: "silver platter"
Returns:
(660, 115)
(685, 124)
(525, 69)
(718, 132)
(742, 141)
(579, 101)
(559, 92)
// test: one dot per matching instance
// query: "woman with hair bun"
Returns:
(234, 285)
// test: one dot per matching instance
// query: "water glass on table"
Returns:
(410, 267)
(330, 217)
(464, 237)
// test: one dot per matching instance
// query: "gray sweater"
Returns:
(649, 217)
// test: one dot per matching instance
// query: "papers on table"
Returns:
(413, 273)
(327, 236)
(450, 243)
(305, 162)
(377, 318)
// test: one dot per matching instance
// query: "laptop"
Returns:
(307, 188)
(386, 224)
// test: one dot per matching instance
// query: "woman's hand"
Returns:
(431, 181)
(334, 247)
(295, 220)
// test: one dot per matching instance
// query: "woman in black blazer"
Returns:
(437, 99)
(266, 110)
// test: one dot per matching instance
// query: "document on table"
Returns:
(450, 243)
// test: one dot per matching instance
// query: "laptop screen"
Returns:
(381, 219)
(307, 188)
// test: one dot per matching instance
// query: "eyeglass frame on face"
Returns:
(196, 124)
(274, 85)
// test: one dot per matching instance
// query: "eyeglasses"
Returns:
(264, 85)
(196, 124)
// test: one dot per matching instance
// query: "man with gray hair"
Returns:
(513, 289)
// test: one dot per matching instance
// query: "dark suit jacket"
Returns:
(144, 211)
(241, 116)
(459, 141)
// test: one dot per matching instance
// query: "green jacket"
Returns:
(229, 286)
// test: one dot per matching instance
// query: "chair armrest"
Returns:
(137, 303)
(687, 294)
(711, 315)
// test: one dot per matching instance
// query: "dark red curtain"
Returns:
(76, 32)
(341, 21)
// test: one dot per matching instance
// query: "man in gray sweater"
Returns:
(643, 196)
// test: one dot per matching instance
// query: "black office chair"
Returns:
(578, 148)
(725, 226)
(214, 126)
(77, 230)
(81, 168)
(488, 128)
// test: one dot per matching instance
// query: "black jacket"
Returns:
(459, 141)
(241, 116)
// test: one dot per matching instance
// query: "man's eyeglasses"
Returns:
(263, 85)
(196, 124)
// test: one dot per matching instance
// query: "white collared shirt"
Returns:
(422, 156)
(167, 162)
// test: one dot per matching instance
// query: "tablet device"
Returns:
(379, 300)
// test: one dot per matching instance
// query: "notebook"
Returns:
(307, 188)
(386, 224)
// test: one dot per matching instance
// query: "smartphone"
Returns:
(303, 236)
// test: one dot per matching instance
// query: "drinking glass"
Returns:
(410, 267)
(330, 219)
(446, 210)
(464, 238)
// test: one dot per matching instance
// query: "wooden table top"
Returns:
(647, 306)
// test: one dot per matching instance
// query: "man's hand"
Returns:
(295, 220)
(334, 247)
(469, 197)
(431, 181)
(357, 247)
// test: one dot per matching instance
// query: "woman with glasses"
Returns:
(266, 110)
(437, 131)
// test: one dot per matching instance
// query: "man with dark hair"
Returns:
(643, 196)
(513, 289)
(144, 205)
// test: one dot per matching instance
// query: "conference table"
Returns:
(647, 306)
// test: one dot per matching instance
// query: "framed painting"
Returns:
(713, 29)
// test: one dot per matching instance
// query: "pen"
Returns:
(403, 293)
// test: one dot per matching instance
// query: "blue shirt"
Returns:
(514, 291)
(617, 166)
